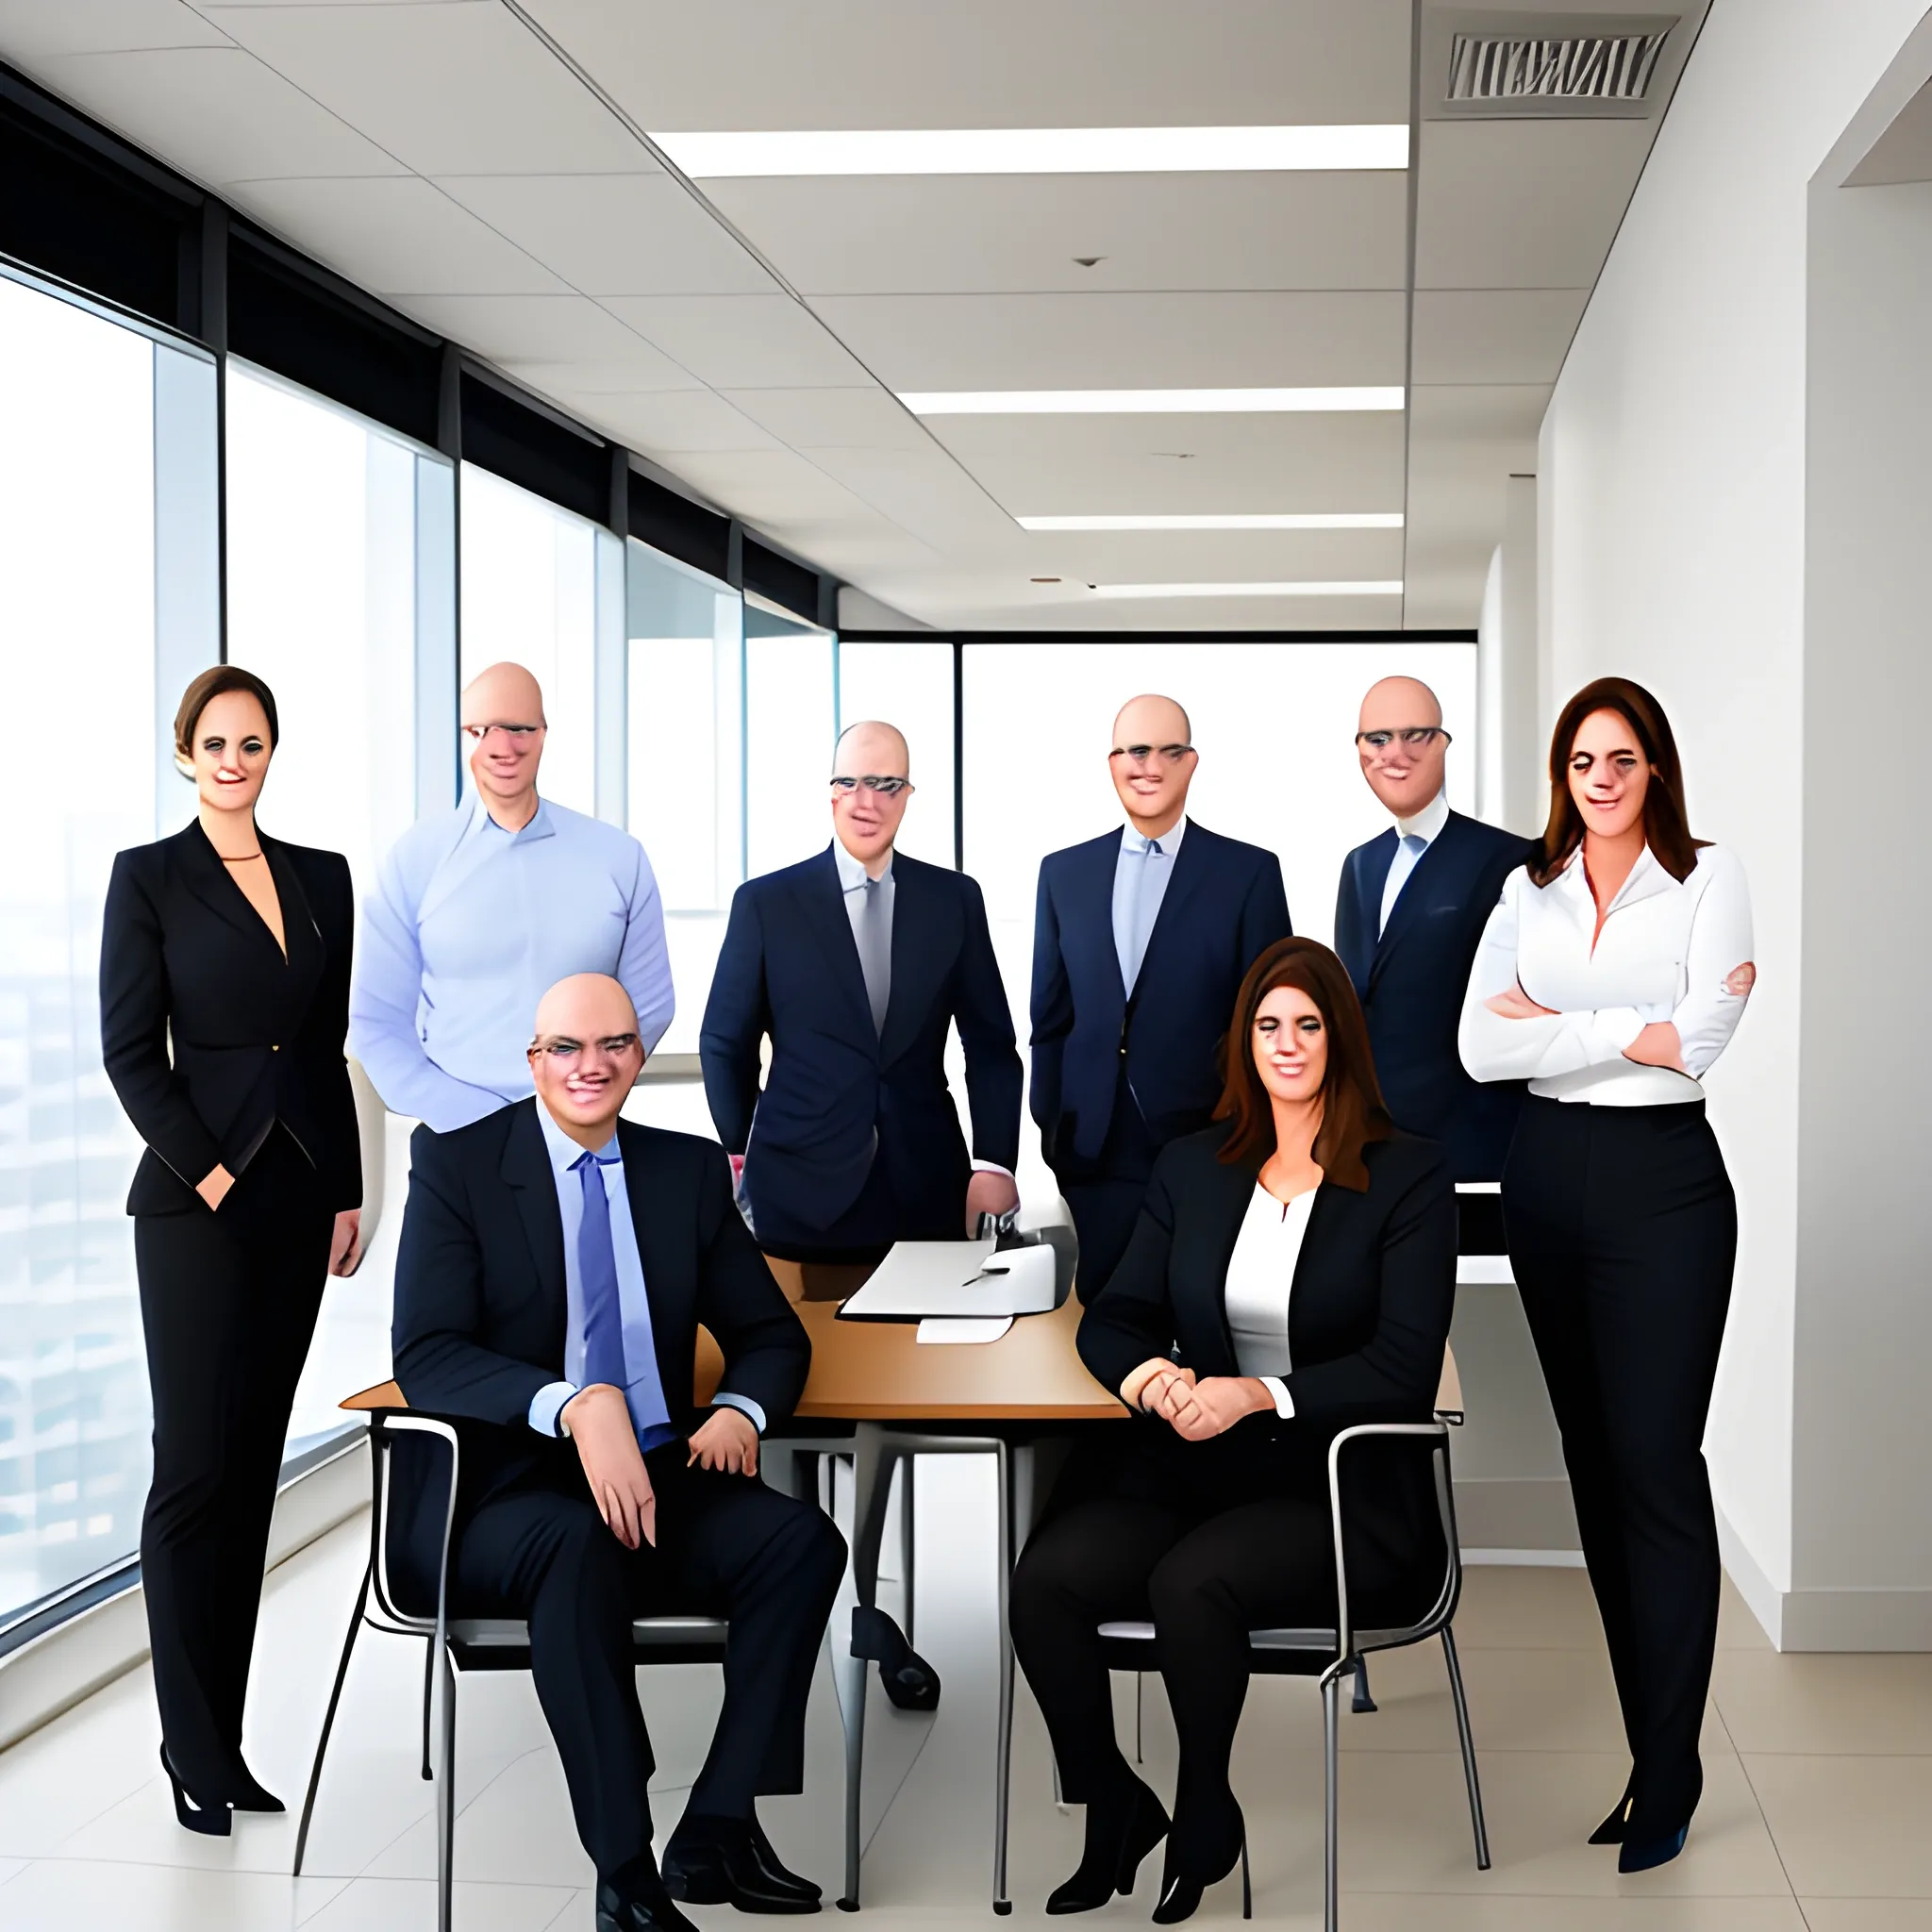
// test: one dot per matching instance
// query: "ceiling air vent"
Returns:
(1517, 68)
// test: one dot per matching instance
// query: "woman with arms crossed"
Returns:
(1291, 1275)
(1610, 977)
(225, 1001)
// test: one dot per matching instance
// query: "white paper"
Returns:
(964, 1328)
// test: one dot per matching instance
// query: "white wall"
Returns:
(1672, 527)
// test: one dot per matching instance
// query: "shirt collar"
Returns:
(1427, 824)
(483, 825)
(564, 1152)
(1169, 841)
(852, 872)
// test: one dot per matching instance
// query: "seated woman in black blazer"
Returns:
(1291, 1275)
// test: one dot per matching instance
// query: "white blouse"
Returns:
(1260, 1282)
(1668, 951)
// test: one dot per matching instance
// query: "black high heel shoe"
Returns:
(1117, 1840)
(255, 1796)
(1610, 1832)
(1180, 1892)
(211, 1820)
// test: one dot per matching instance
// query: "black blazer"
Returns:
(1223, 906)
(1374, 1286)
(187, 963)
(838, 1089)
(1411, 981)
(480, 1302)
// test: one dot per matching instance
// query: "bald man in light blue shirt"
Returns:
(477, 911)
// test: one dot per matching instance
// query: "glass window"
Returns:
(78, 588)
(791, 713)
(1274, 724)
(910, 685)
(686, 755)
(529, 596)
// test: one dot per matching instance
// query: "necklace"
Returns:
(241, 860)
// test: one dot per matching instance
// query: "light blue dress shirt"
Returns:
(1413, 837)
(644, 1392)
(1139, 884)
(469, 927)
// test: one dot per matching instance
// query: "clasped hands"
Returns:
(598, 1420)
(1658, 1044)
(1197, 1407)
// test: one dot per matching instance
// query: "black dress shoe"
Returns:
(722, 1868)
(255, 1796)
(774, 1868)
(1119, 1835)
(640, 1907)
(909, 1681)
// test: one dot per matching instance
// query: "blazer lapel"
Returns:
(526, 1171)
(1415, 890)
(823, 900)
(209, 880)
(1225, 1204)
(915, 908)
(307, 950)
(1191, 865)
(1093, 910)
(1370, 864)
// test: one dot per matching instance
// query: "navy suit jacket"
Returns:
(1412, 980)
(481, 1307)
(1223, 906)
(840, 1095)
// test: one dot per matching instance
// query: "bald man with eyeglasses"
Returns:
(855, 965)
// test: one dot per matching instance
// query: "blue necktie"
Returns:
(604, 1354)
(1144, 910)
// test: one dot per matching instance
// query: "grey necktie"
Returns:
(876, 953)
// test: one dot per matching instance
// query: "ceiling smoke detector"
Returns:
(1502, 66)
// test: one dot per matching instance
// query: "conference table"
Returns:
(877, 1394)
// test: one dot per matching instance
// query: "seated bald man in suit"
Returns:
(555, 1265)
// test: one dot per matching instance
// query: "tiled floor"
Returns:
(1816, 1813)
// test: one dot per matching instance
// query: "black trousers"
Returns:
(1104, 1195)
(1623, 1233)
(727, 1546)
(228, 1302)
(1189, 1538)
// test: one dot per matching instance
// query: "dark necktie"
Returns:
(876, 953)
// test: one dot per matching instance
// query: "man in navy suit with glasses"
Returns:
(1141, 938)
(1408, 917)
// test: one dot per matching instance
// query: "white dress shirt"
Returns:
(1665, 952)
(1261, 1283)
(644, 1392)
(1413, 837)
(1139, 884)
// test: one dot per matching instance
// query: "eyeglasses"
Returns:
(562, 1047)
(886, 788)
(1145, 755)
(1415, 737)
(515, 733)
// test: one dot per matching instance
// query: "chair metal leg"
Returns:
(447, 1802)
(328, 1722)
(1009, 1479)
(428, 1701)
(869, 1479)
(1331, 1834)
(1140, 1703)
(907, 1554)
(1247, 1883)
(1462, 1732)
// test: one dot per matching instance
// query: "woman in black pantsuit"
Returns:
(1291, 1273)
(225, 990)
(1610, 977)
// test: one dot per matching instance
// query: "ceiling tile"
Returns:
(1075, 465)
(1523, 203)
(1494, 336)
(742, 341)
(996, 64)
(1123, 341)
(944, 234)
(930, 494)
(215, 113)
(397, 236)
(546, 329)
(833, 418)
(667, 424)
(615, 234)
(773, 487)
(449, 89)
(32, 31)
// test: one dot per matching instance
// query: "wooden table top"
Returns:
(880, 1371)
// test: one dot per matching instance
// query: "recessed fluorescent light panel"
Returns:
(1320, 520)
(1298, 590)
(1143, 402)
(1037, 150)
